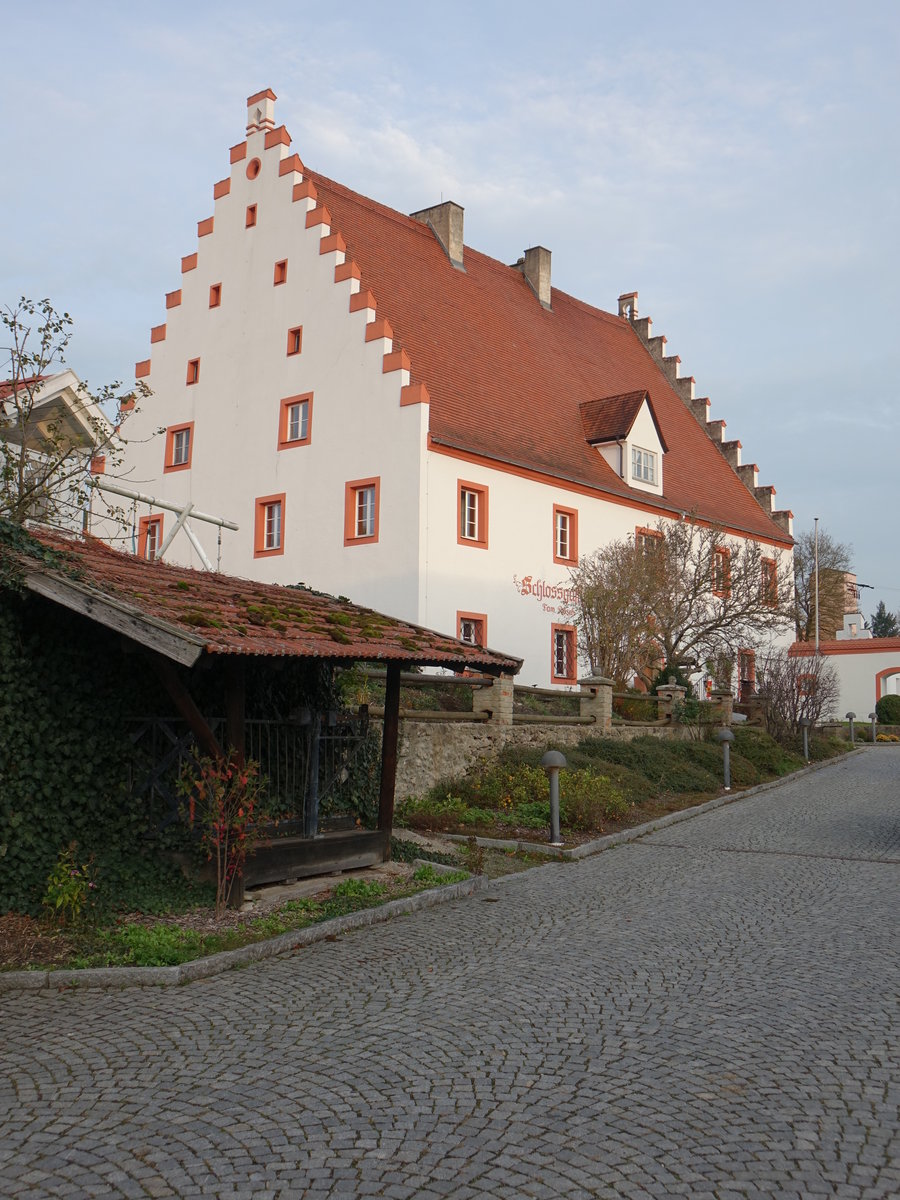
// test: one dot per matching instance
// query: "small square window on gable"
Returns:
(627, 435)
(193, 371)
(268, 529)
(215, 295)
(295, 340)
(295, 421)
(280, 272)
(250, 220)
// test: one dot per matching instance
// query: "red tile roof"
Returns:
(887, 645)
(507, 377)
(611, 419)
(237, 616)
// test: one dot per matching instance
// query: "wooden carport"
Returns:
(177, 618)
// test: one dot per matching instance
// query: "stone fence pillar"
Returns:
(725, 700)
(595, 700)
(670, 700)
(496, 699)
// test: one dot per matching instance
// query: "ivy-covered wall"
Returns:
(66, 690)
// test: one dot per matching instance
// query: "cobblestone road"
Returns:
(709, 1012)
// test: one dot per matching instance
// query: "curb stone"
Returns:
(226, 960)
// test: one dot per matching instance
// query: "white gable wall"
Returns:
(359, 429)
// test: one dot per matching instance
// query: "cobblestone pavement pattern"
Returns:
(708, 1012)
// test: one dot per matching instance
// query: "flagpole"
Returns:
(817, 584)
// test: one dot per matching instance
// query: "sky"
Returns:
(736, 165)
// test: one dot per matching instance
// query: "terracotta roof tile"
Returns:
(610, 418)
(239, 616)
(507, 377)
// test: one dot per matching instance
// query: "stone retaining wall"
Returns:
(433, 750)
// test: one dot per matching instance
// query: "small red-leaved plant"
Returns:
(225, 803)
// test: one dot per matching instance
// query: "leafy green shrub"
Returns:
(668, 672)
(887, 710)
(587, 799)
(533, 814)
(71, 888)
(636, 707)
(358, 889)
(431, 811)
(769, 758)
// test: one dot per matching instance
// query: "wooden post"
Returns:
(389, 751)
(235, 696)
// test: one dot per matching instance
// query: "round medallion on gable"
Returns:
(253, 167)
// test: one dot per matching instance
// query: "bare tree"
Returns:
(610, 614)
(708, 594)
(685, 594)
(46, 444)
(795, 686)
(834, 563)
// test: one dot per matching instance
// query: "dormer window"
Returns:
(643, 465)
(627, 435)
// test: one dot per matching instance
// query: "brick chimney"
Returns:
(536, 268)
(261, 112)
(446, 223)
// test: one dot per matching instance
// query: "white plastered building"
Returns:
(392, 416)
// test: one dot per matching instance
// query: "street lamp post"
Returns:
(726, 737)
(552, 762)
(804, 727)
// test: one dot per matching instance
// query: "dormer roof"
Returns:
(611, 418)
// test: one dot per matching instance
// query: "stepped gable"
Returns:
(299, 189)
(507, 375)
(670, 366)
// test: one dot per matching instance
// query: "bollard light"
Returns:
(726, 737)
(804, 727)
(851, 717)
(552, 762)
(873, 717)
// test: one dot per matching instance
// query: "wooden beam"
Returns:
(156, 635)
(184, 702)
(389, 740)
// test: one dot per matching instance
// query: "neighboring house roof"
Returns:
(610, 418)
(58, 402)
(507, 378)
(184, 613)
(886, 645)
